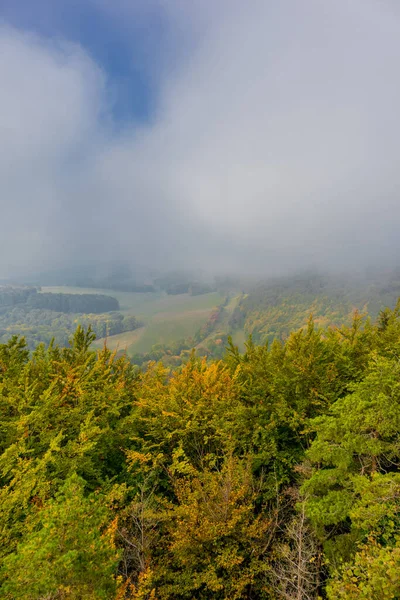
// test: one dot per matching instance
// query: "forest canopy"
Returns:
(272, 473)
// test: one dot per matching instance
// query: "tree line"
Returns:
(12, 295)
(45, 325)
(41, 317)
(67, 303)
(74, 303)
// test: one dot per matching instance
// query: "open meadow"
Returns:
(165, 318)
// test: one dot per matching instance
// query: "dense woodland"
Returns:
(272, 473)
(64, 303)
(74, 303)
(42, 317)
(44, 325)
(274, 308)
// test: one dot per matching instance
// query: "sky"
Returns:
(257, 137)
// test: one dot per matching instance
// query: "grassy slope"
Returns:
(121, 341)
(166, 318)
(167, 328)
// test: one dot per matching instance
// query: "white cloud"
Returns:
(274, 144)
(50, 101)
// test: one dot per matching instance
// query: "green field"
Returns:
(165, 318)
(167, 328)
(121, 341)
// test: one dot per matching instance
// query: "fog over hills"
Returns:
(256, 137)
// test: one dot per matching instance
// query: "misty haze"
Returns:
(254, 136)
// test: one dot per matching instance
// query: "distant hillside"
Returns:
(267, 310)
(274, 308)
(40, 317)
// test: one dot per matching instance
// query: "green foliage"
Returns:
(218, 543)
(42, 325)
(272, 473)
(60, 415)
(374, 573)
(354, 490)
(68, 551)
(11, 295)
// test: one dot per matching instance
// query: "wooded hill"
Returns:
(41, 317)
(268, 474)
(64, 303)
(276, 307)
